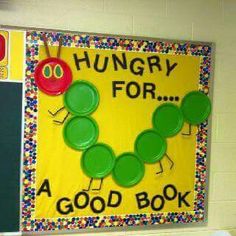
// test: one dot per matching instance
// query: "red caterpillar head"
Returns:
(53, 76)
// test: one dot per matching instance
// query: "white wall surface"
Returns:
(203, 20)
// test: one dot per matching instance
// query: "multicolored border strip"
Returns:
(33, 40)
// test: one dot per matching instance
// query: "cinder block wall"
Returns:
(204, 20)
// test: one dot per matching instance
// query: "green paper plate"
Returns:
(128, 171)
(196, 107)
(168, 120)
(150, 146)
(98, 161)
(81, 98)
(80, 132)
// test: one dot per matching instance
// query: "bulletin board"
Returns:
(154, 168)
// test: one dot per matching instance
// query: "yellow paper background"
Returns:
(120, 120)
(17, 40)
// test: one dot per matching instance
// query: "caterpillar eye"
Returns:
(58, 71)
(47, 71)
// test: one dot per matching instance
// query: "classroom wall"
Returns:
(203, 20)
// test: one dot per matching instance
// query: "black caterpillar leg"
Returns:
(189, 130)
(161, 168)
(90, 182)
(60, 122)
(55, 113)
(172, 163)
(100, 186)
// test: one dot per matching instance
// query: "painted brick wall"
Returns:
(203, 20)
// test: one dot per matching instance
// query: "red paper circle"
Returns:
(2, 47)
(52, 84)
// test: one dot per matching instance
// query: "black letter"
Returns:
(119, 198)
(114, 88)
(142, 197)
(151, 90)
(116, 60)
(170, 67)
(161, 205)
(92, 204)
(104, 64)
(174, 192)
(128, 89)
(69, 206)
(182, 199)
(76, 202)
(140, 69)
(77, 61)
(156, 63)
(45, 187)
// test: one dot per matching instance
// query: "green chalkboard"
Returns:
(10, 155)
